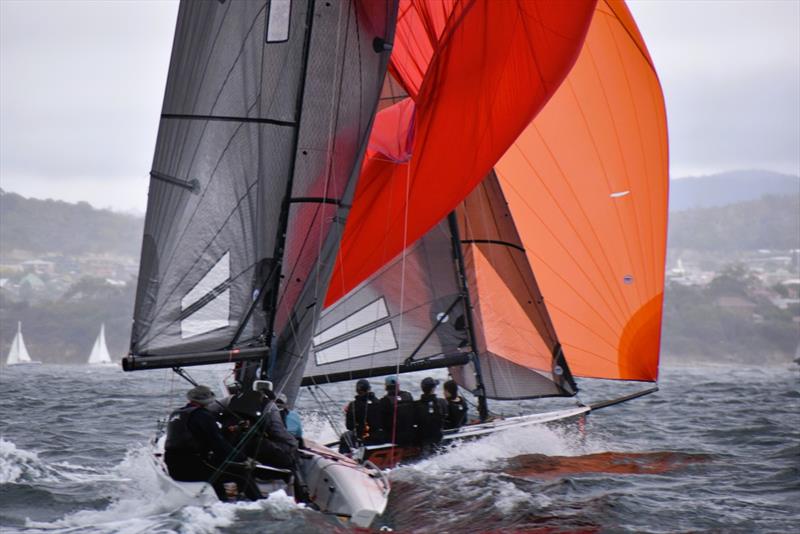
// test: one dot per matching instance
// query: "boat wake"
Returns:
(543, 466)
(127, 497)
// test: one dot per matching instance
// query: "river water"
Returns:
(716, 450)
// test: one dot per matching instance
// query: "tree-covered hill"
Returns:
(772, 222)
(729, 188)
(54, 226)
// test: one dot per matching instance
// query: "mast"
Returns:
(458, 256)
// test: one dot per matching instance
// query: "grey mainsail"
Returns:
(266, 113)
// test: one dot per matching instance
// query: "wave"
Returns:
(130, 497)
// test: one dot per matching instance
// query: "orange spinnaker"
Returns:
(587, 186)
(478, 72)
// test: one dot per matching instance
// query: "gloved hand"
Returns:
(250, 464)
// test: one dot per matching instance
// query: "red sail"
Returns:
(478, 73)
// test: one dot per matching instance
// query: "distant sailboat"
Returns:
(99, 355)
(19, 352)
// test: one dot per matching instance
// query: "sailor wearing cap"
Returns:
(195, 449)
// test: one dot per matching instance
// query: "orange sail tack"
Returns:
(587, 186)
(478, 72)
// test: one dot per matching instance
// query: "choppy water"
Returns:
(716, 450)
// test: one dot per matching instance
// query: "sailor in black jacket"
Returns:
(196, 450)
(363, 419)
(456, 406)
(397, 411)
(430, 414)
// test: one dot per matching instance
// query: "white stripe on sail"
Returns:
(216, 313)
(368, 314)
(370, 342)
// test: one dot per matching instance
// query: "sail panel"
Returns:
(517, 345)
(587, 185)
(411, 310)
(494, 65)
(222, 161)
(347, 63)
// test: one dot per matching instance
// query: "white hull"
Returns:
(336, 484)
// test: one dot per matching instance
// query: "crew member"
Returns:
(291, 420)
(430, 414)
(363, 419)
(397, 413)
(456, 406)
(196, 450)
(274, 445)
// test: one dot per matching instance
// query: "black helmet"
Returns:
(363, 386)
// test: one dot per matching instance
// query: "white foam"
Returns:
(16, 464)
(478, 455)
(508, 497)
(145, 504)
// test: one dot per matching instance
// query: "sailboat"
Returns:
(550, 267)
(99, 354)
(18, 354)
(494, 205)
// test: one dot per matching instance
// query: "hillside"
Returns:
(771, 222)
(54, 226)
(729, 188)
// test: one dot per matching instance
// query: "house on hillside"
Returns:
(38, 267)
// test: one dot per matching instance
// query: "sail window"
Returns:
(370, 313)
(380, 339)
(278, 21)
(210, 317)
(215, 312)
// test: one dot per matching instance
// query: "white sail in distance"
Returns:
(18, 352)
(99, 354)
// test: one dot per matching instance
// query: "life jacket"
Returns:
(456, 413)
(430, 415)
(179, 437)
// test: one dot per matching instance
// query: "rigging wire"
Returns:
(402, 307)
(336, 428)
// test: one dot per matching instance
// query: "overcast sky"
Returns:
(81, 85)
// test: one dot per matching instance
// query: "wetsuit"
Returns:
(197, 451)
